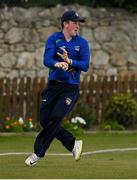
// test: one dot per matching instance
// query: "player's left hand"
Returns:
(62, 65)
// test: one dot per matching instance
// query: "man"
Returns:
(66, 55)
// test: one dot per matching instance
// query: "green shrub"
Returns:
(121, 110)
(75, 128)
(112, 124)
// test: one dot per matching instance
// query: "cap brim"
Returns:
(81, 19)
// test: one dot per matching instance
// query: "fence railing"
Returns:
(98, 91)
(20, 97)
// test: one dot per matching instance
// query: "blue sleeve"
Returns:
(49, 53)
(83, 62)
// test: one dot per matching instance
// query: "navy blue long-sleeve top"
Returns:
(77, 49)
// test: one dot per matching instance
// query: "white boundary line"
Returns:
(69, 154)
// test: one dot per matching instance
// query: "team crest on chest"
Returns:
(77, 48)
(68, 101)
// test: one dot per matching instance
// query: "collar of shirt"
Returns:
(63, 37)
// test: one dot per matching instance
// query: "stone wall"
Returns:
(112, 36)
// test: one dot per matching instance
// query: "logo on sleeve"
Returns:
(68, 101)
(58, 40)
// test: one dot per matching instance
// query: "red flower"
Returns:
(30, 119)
(7, 118)
(7, 127)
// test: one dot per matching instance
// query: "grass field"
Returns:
(111, 165)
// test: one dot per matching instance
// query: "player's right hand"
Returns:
(64, 56)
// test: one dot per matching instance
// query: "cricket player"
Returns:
(66, 55)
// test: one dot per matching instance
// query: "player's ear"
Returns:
(65, 23)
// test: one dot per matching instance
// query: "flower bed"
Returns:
(76, 124)
(16, 125)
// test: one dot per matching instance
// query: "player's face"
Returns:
(72, 27)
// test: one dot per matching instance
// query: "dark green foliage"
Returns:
(12, 3)
(128, 4)
(29, 3)
(43, 3)
(73, 128)
(123, 110)
(112, 124)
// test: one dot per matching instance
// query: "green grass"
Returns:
(112, 165)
